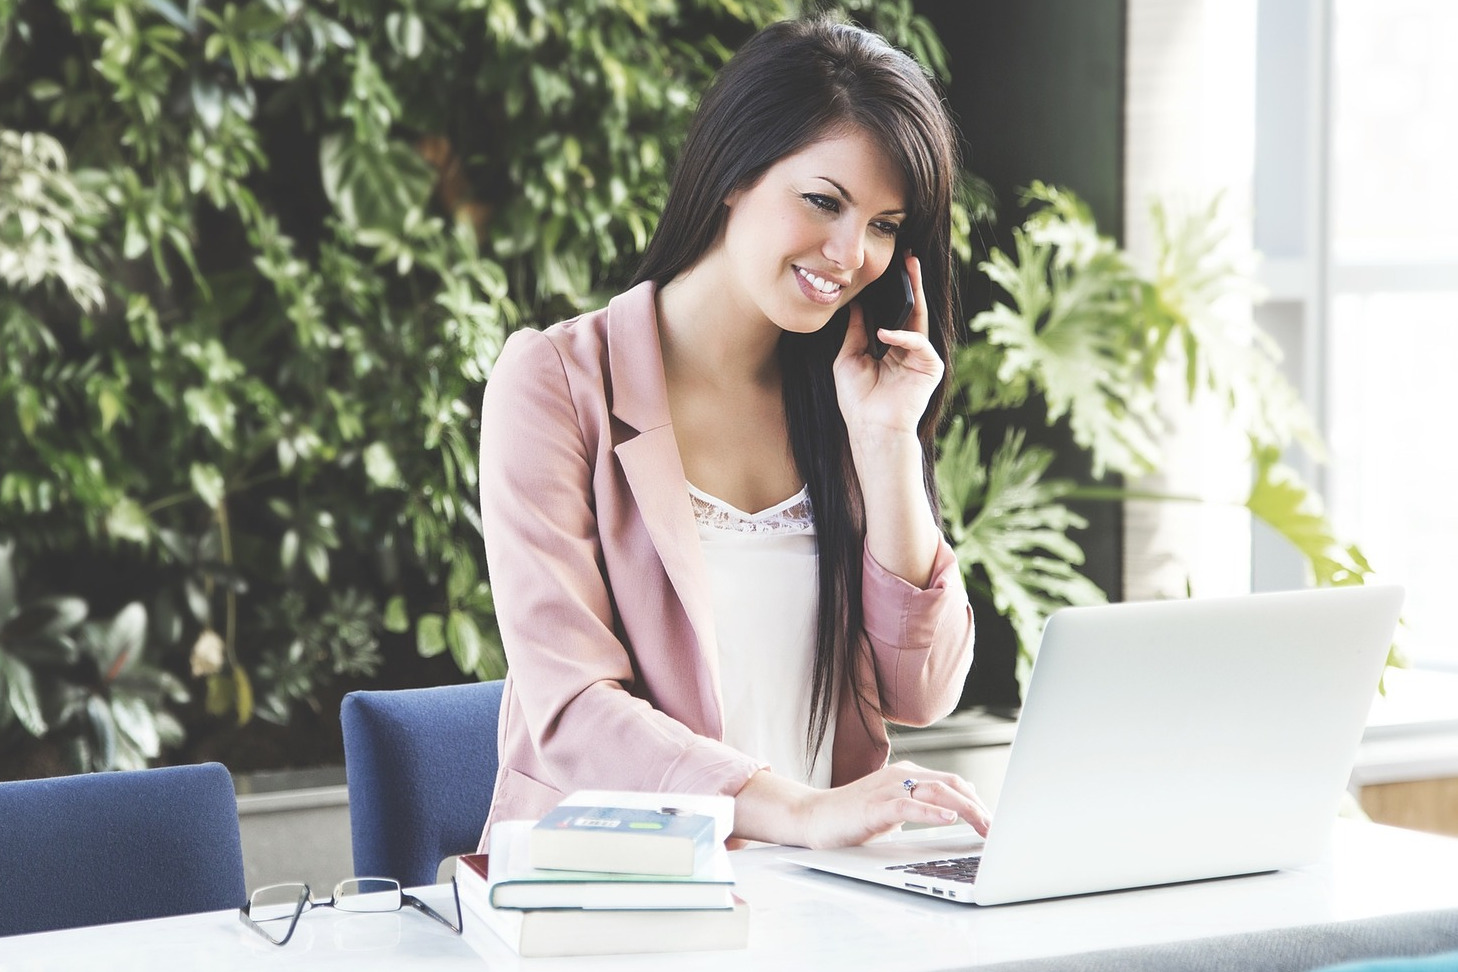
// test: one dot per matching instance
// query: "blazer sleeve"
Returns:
(921, 639)
(569, 669)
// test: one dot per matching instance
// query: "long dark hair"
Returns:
(791, 84)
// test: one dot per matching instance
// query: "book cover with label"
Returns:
(507, 880)
(667, 840)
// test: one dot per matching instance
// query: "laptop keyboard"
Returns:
(963, 869)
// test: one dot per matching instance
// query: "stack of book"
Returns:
(606, 872)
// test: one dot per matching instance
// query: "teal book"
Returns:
(667, 841)
(584, 931)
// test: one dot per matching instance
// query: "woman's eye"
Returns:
(822, 202)
(886, 228)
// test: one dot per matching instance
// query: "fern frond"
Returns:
(1010, 521)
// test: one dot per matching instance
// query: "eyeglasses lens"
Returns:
(367, 894)
(276, 901)
(273, 909)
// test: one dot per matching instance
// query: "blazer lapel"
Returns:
(654, 470)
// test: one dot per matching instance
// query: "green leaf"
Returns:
(128, 521)
(1015, 529)
(493, 655)
(316, 555)
(169, 10)
(1073, 329)
(45, 90)
(110, 406)
(135, 241)
(430, 635)
(207, 482)
(1283, 502)
(135, 723)
(45, 618)
(173, 688)
(121, 645)
(407, 33)
(9, 591)
(103, 731)
(242, 695)
(397, 618)
(373, 186)
(221, 693)
(208, 101)
(197, 602)
(288, 550)
(462, 579)
(20, 696)
(211, 409)
(380, 465)
(464, 639)
(1198, 303)
(169, 730)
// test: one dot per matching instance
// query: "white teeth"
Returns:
(819, 283)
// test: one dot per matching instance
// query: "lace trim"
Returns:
(792, 516)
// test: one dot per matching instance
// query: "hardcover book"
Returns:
(667, 840)
(556, 932)
(511, 882)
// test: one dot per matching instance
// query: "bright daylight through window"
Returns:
(1392, 336)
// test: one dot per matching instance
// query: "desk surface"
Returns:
(802, 919)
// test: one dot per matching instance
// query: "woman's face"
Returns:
(817, 227)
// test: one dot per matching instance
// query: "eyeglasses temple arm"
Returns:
(247, 920)
(426, 909)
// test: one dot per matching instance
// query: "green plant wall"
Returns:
(257, 257)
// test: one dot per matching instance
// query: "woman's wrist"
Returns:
(874, 441)
(773, 809)
(901, 530)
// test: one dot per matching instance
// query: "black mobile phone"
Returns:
(887, 302)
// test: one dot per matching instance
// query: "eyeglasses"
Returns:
(268, 908)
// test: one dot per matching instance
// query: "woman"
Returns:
(661, 638)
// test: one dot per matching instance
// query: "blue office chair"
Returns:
(421, 767)
(1443, 962)
(105, 847)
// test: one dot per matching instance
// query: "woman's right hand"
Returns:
(774, 809)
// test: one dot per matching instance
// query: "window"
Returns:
(1391, 331)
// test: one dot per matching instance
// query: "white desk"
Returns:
(802, 920)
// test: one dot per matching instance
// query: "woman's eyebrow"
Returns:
(851, 199)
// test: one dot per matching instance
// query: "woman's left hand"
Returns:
(889, 395)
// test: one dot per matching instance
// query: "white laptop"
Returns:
(1160, 742)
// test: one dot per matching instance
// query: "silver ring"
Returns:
(909, 786)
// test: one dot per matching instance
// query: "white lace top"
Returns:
(763, 578)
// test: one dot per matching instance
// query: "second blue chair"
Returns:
(421, 768)
(105, 847)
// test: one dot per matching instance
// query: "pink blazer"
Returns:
(602, 593)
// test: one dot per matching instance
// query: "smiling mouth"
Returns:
(826, 288)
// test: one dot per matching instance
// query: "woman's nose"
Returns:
(846, 248)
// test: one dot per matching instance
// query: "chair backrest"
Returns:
(1438, 962)
(105, 847)
(421, 767)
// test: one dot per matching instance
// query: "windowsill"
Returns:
(279, 791)
(967, 729)
(1412, 732)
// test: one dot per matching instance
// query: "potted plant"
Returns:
(1082, 334)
